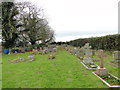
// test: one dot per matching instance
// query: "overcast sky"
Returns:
(72, 19)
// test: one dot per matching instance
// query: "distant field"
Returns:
(65, 71)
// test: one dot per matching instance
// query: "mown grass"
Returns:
(65, 71)
(0, 71)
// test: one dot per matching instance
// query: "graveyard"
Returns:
(63, 71)
(69, 48)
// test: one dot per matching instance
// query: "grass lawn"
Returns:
(0, 71)
(65, 71)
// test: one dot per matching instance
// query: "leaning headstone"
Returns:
(101, 70)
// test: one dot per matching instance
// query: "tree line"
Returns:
(108, 42)
(23, 24)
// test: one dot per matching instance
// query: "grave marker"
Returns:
(101, 70)
(88, 53)
(116, 55)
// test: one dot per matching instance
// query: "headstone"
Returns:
(74, 51)
(78, 54)
(87, 60)
(44, 52)
(16, 60)
(51, 56)
(87, 50)
(88, 53)
(82, 49)
(54, 49)
(101, 55)
(116, 55)
(31, 58)
(68, 49)
(82, 52)
(50, 49)
(34, 52)
(101, 70)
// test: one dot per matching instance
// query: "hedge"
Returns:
(108, 42)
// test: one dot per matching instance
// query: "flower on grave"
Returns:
(108, 76)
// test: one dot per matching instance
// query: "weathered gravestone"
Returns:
(54, 49)
(88, 53)
(51, 56)
(44, 51)
(78, 54)
(34, 52)
(101, 70)
(69, 49)
(74, 51)
(87, 60)
(116, 55)
(50, 48)
(82, 52)
(16, 60)
(31, 58)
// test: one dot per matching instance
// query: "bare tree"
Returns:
(33, 23)
(47, 34)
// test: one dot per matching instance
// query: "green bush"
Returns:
(108, 42)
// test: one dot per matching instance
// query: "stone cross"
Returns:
(101, 55)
